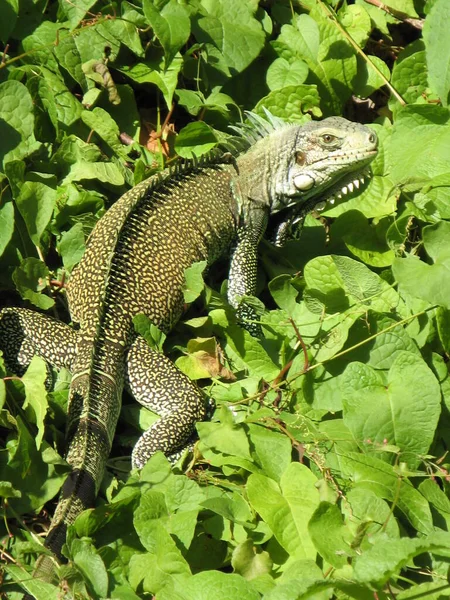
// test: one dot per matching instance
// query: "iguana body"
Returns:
(134, 263)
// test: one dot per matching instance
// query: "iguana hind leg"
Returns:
(25, 333)
(156, 383)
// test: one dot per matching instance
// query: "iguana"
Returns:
(134, 263)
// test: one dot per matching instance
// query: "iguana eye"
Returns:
(300, 158)
(327, 138)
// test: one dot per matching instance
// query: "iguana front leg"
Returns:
(244, 268)
(156, 383)
(25, 333)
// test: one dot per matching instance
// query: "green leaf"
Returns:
(226, 437)
(68, 56)
(272, 449)
(90, 563)
(329, 534)
(30, 279)
(377, 200)
(126, 30)
(77, 12)
(10, 9)
(38, 475)
(73, 150)
(287, 508)
(430, 126)
(154, 71)
(195, 139)
(36, 202)
(233, 508)
(437, 46)
(250, 563)
(403, 411)
(16, 122)
(233, 30)
(281, 73)
(443, 325)
(368, 472)
(40, 590)
(190, 100)
(284, 294)
(171, 26)
(193, 281)
(379, 563)
(433, 590)
(107, 172)
(214, 585)
(356, 22)
(332, 66)
(302, 38)
(152, 507)
(52, 89)
(35, 394)
(72, 246)
(291, 102)
(249, 350)
(104, 125)
(433, 493)
(40, 42)
(341, 287)
(364, 240)
(6, 224)
(367, 80)
(368, 517)
(421, 280)
(384, 349)
(409, 75)
(163, 566)
(6, 488)
(154, 337)
(356, 279)
(201, 360)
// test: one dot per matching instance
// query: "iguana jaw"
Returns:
(336, 174)
(331, 171)
(347, 185)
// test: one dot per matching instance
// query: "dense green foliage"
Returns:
(324, 469)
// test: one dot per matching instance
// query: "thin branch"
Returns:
(331, 15)
(302, 344)
(366, 340)
(397, 14)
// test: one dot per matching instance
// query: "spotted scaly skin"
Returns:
(134, 263)
(107, 289)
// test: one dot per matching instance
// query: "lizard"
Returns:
(135, 261)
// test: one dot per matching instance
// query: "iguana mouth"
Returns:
(317, 172)
(342, 188)
(288, 221)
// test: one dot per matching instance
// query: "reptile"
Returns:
(135, 261)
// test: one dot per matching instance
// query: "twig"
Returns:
(366, 340)
(397, 14)
(5, 52)
(302, 344)
(331, 15)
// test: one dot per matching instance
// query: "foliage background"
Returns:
(324, 470)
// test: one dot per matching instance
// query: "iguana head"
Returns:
(319, 158)
(300, 165)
